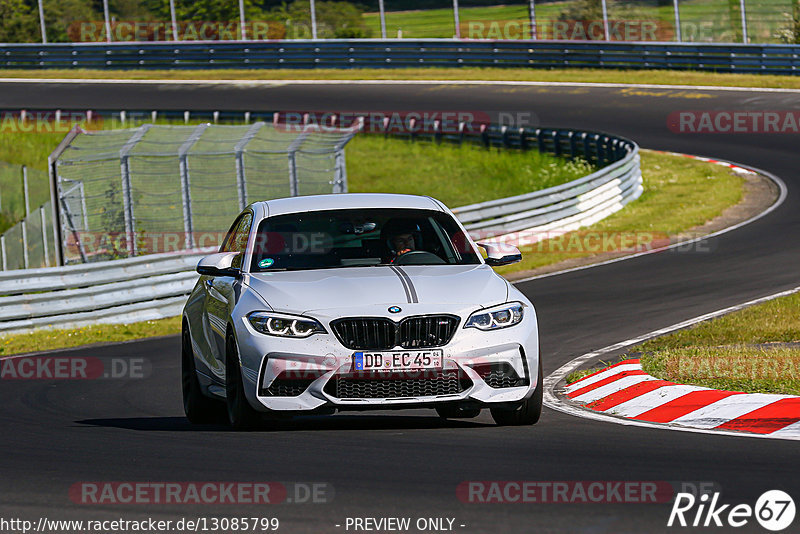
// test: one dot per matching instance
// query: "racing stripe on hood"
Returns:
(403, 282)
(411, 291)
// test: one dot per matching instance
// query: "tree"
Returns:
(341, 20)
(18, 22)
(63, 19)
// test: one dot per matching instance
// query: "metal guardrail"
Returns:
(120, 291)
(155, 286)
(398, 53)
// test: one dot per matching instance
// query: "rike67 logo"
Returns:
(774, 510)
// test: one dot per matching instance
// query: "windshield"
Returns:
(359, 238)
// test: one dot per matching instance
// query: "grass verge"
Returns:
(671, 204)
(621, 76)
(40, 340)
(754, 350)
(456, 175)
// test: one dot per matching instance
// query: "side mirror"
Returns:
(498, 254)
(220, 264)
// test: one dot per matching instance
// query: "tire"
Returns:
(528, 412)
(198, 408)
(241, 416)
(456, 412)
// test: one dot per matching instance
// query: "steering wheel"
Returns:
(418, 257)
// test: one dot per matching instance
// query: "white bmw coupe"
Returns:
(357, 302)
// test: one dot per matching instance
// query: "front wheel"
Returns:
(241, 415)
(528, 412)
(198, 408)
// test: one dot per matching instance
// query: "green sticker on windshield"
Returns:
(266, 262)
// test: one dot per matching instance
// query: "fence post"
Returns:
(183, 159)
(556, 143)
(455, 19)
(3, 252)
(174, 20)
(41, 23)
(242, 20)
(340, 173)
(573, 149)
(313, 20)
(605, 20)
(532, 12)
(24, 225)
(745, 39)
(127, 198)
(44, 236)
(677, 21)
(383, 19)
(294, 184)
(241, 178)
(107, 21)
(55, 193)
(523, 139)
(25, 191)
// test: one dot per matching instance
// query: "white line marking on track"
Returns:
(402, 82)
(551, 400)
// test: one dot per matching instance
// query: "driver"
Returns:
(400, 237)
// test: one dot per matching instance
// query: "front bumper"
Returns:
(296, 375)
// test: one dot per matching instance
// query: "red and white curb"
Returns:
(625, 390)
(732, 166)
(625, 395)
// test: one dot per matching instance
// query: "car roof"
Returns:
(281, 206)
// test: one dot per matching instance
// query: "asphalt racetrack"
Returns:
(410, 463)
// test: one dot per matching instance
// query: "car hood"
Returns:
(456, 286)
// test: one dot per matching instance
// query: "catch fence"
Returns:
(162, 188)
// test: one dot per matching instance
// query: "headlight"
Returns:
(497, 317)
(278, 324)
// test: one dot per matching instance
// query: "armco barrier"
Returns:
(155, 286)
(120, 291)
(397, 53)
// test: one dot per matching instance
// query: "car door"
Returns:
(220, 293)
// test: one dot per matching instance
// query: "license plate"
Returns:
(393, 360)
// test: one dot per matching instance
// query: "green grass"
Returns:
(775, 320)
(40, 340)
(737, 352)
(621, 76)
(668, 206)
(31, 149)
(701, 20)
(754, 369)
(455, 175)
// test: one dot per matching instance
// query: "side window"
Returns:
(236, 240)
